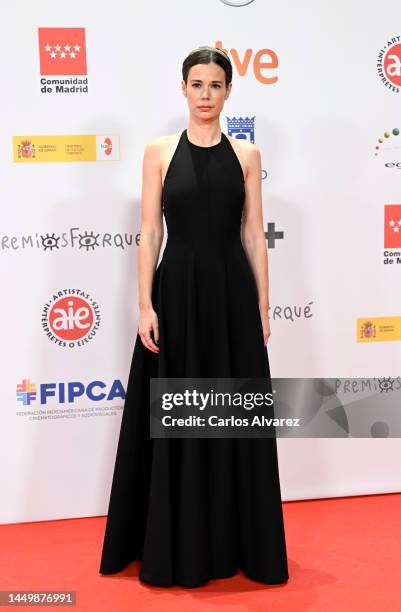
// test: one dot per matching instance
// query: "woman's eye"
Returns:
(214, 85)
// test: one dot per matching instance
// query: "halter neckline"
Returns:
(200, 146)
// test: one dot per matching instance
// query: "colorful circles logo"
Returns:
(386, 136)
(71, 318)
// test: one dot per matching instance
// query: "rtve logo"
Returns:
(265, 60)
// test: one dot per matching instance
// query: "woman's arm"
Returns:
(151, 238)
(253, 235)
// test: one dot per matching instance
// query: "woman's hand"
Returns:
(264, 315)
(148, 322)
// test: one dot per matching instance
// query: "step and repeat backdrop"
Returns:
(317, 87)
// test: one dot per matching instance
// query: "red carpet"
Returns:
(343, 553)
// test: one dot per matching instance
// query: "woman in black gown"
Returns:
(195, 509)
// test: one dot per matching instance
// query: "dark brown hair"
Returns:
(206, 55)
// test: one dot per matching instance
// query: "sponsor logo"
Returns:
(389, 64)
(378, 329)
(264, 63)
(69, 392)
(75, 238)
(71, 318)
(241, 128)
(62, 52)
(392, 234)
(66, 148)
(386, 145)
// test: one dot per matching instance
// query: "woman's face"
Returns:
(206, 90)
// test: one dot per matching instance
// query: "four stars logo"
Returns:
(392, 226)
(62, 51)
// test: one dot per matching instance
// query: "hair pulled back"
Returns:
(206, 55)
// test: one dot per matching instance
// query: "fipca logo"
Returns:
(70, 399)
(69, 392)
(71, 318)
(389, 64)
(62, 51)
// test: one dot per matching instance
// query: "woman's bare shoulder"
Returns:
(244, 146)
(246, 151)
(161, 143)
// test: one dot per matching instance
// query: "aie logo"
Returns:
(71, 318)
(68, 392)
(389, 64)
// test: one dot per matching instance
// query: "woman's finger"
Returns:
(148, 342)
(156, 332)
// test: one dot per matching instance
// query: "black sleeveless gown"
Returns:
(197, 509)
